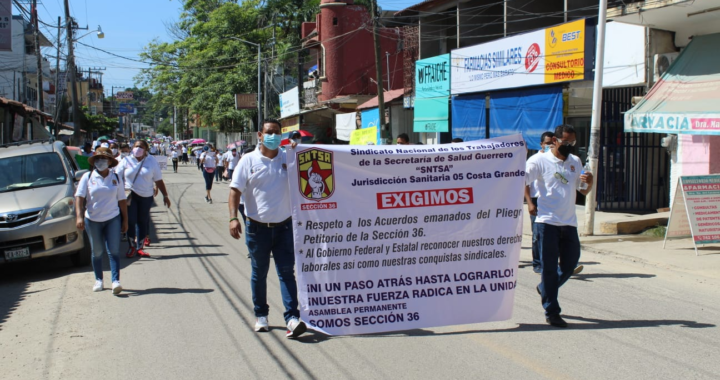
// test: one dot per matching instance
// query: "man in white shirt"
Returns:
(558, 175)
(261, 177)
(231, 158)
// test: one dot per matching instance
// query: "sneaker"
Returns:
(130, 252)
(578, 270)
(261, 324)
(556, 320)
(116, 287)
(98, 287)
(147, 241)
(210, 201)
(295, 328)
(142, 253)
(207, 200)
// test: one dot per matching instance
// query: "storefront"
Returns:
(685, 105)
(515, 84)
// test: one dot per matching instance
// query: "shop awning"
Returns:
(687, 97)
(388, 96)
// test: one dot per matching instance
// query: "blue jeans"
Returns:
(556, 243)
(139, 218)
(105, 238)
(261, 240)
(536, 263)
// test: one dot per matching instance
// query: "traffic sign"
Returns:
(127, 108)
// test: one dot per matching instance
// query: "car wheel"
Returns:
(83, 256)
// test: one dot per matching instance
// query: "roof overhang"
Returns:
(687, 18)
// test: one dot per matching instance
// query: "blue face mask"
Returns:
(546, 148)
(272, 141)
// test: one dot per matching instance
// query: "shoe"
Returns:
(207, 200)
(537, 270)
(578, 270)
(116, 287)
(130, 252)
(124, 237)
(556, 320)
(210, 201)
(142, 253)
(295, 328)
(98, 287)
(147, 242)
(261, 324)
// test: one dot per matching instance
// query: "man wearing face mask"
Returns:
(261, 177)
(558, 176)
(231, 160)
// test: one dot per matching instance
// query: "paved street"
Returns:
(186, 313)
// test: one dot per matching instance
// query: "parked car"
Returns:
(37, 205)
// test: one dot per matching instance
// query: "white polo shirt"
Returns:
(534, 193)
(150, 173)
(232, 160)
(210, 159)
(556, 200)
(264, 185)
(174, 154)
(101, 195)
(184, 149)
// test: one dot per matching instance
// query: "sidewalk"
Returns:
(679, 255)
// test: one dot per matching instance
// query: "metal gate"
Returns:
(634, 170)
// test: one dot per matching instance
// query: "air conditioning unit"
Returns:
(662, 62)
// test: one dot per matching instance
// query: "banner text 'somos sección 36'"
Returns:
(403, 237)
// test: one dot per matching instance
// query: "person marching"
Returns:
(220, 166)
(261, 177)
(140, 172)
(175, 159)
(546, 140)
(231, 160)
(559, 176)
(184, 154)
(208, 162)
(101, 194)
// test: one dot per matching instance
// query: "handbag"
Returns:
(210, 170)
(128, 192)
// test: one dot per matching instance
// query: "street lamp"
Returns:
(259, 126)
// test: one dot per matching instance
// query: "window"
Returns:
(335, 22)
(31, 171)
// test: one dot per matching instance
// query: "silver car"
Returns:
(37, 207)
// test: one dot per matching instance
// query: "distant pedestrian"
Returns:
(141, 172)
(558, 175)
(403, 139)
(220, 168)
(184, 154)
(101, 195)
(261, 176)
(208, 162)
(174, 157)
(231, 160)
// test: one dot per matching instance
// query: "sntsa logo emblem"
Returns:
(315, 174)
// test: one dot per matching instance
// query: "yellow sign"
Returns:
(565, 52)
(291, 128)
(364, 136)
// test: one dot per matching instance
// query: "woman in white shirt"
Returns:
(140, 172)
(208, 162)
(105, 214)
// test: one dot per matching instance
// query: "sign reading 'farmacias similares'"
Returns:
(404, 237)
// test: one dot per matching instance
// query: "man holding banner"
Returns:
(558, 174)
(262, 178)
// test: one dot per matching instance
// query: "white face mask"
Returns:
(114, 152)
(101, 164)
(125, 154)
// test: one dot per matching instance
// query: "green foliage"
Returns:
(202, 70)
(98, 123)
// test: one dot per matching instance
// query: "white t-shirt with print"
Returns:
(263, 183)
(101, 195)
(556, 200)
(150, 173)
(210, 159)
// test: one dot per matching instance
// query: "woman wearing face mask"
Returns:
(140, 172)
(124, 150)
(208, 162)
(115, 149)
(105, 215)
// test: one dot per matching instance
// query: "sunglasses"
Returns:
(561, 178)
(570, 143)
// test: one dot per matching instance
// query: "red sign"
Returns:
(425, 198)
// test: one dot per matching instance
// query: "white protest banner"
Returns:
(162, 161)
(404, 237)
(696, 210)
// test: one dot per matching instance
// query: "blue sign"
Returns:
(432, 77)
(127, 108)
(371, 118)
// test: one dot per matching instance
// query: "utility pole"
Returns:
(595, 122)
(57, 82)
(378, 66)
(39, 84)
(71, 68)
(175, 123)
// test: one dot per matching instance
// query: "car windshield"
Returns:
(30, 171)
